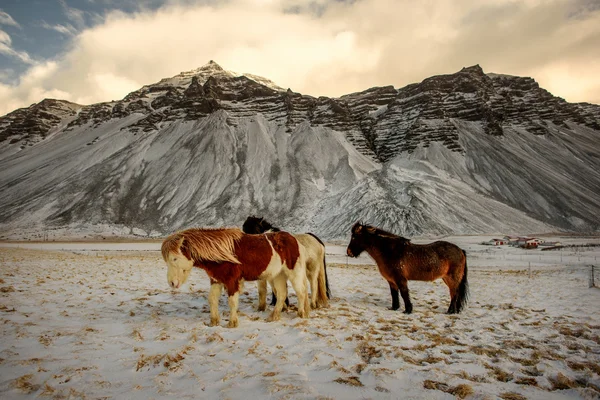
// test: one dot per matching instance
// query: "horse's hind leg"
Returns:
(262, 294)
(213, 303)
(299, 284)
(452, 286)
(313, 278)
(395, 298)
(279, 285)
(274, 299)
(403, 286)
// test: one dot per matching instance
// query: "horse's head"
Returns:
(253, 225)
(256, 225)
(359, 239)
(177, 256)
(195, 247)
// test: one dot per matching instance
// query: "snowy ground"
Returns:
(97, 320)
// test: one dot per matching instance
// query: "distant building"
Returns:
(496, 242)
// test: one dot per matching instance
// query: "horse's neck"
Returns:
(375, 251)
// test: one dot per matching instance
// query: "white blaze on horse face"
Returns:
(178, 269)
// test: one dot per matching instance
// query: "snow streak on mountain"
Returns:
(463, 153)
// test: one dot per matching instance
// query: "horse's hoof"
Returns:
(303, 314)
(233, 324)
(215, 322)
(262, 308)
(393, 308)
(272, 318)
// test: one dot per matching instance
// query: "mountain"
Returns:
(467, 152)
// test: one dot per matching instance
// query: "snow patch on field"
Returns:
(99, 320)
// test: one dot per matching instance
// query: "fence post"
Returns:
(592, 282)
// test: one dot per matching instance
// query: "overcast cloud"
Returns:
(324, 47)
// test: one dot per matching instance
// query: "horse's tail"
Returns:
(463, 289)
(323, 292)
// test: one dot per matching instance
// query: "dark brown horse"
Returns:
(400, 261)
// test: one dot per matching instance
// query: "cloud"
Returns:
(327, 47)
(68, 29)
(7, 49)
(6, 19)
(75, 15)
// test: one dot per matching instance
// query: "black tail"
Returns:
(324, 265)
(463, 289)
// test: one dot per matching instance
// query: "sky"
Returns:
(89, 51)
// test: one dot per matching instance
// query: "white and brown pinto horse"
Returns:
(231, 257)
(316, 267)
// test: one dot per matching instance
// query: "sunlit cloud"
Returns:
(322, 47)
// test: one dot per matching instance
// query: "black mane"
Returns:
(372, 230)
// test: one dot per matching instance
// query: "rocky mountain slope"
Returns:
(462, 153)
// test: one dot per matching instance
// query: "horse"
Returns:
(316, 268)
(399, 261)
(229, 257)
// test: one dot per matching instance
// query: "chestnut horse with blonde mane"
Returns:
(399, 261)
(230, 257)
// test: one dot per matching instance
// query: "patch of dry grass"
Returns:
(512, 396)
(561, 382)
(215, 337)
(499, 374)
(460, 391)
(24, 384)
(472, 378)
(526, 381)
(489, 351)
(367, 352)
(351, 380)
(581, 366)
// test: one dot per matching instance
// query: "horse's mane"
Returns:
(208, 244)
(372, 230)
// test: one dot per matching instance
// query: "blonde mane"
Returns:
(215, 245)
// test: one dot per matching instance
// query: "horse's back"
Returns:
(315, 249)
(287, 246)
(449, 252)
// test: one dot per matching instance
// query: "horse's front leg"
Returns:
(262, 294)
(403, 286)
(233, 307)
(279, 285)
(395, 298)
(213, 302)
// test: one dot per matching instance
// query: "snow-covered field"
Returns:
(98, 320)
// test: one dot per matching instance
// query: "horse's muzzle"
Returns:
(349, 252)
(175, 284)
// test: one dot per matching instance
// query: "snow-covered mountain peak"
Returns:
(466, 152)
